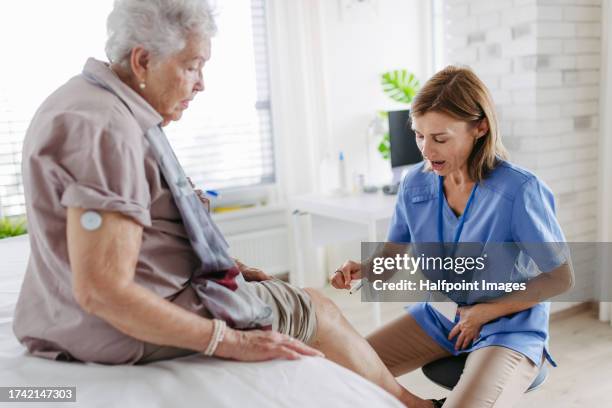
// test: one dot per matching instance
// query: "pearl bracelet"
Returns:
(218, 333)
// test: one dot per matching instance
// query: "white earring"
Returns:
(142, 85)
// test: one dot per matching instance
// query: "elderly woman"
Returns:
(465, 191)
(126, 265)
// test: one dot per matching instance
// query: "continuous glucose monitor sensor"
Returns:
(91, 220)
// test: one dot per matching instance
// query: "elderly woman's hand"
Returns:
(260, 345)
(470, 322)
(252, 274)
(200, 195)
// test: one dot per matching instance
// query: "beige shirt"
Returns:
(85, 149)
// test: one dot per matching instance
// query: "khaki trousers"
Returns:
(493, 376)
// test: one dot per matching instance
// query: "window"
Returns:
(224, 139)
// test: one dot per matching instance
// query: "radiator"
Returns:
(266, 249)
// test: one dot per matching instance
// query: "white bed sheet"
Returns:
(187, 382)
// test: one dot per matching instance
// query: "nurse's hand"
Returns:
(350, 270)
(468, 328)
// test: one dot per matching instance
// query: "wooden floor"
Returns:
(581, 345)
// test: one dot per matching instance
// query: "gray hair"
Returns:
(159, 26)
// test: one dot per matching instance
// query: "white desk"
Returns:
(334, 219)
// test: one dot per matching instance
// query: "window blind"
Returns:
(12, 129)
(224, 140)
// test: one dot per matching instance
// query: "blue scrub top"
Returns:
(510, 205)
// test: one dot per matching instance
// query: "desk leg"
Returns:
(376, 310)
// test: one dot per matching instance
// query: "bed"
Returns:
(190, 381)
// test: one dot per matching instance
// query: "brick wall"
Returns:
(541, 60)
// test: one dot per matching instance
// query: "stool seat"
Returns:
(446, 372)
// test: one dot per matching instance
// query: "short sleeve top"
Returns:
(85, 148)
(512, 205)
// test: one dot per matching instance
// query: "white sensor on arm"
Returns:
(91, 220)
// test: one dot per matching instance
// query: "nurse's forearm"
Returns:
(493, 311)
(543, 287)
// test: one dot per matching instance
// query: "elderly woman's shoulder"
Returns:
(80, 104)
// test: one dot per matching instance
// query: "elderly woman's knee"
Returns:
(327, 311)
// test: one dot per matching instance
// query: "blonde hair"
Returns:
(459, 93)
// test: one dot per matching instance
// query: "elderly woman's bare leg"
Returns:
(342, 344)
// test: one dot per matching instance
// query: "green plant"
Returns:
(11, 228)
(384, 147)
(400, 85)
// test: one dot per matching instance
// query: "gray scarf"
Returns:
(217, 282)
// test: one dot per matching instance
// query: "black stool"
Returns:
(446, 372)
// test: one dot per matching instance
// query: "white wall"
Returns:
(360, 43)
(605, 166)
(605, 146)
(326, 64)
(541, 59)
